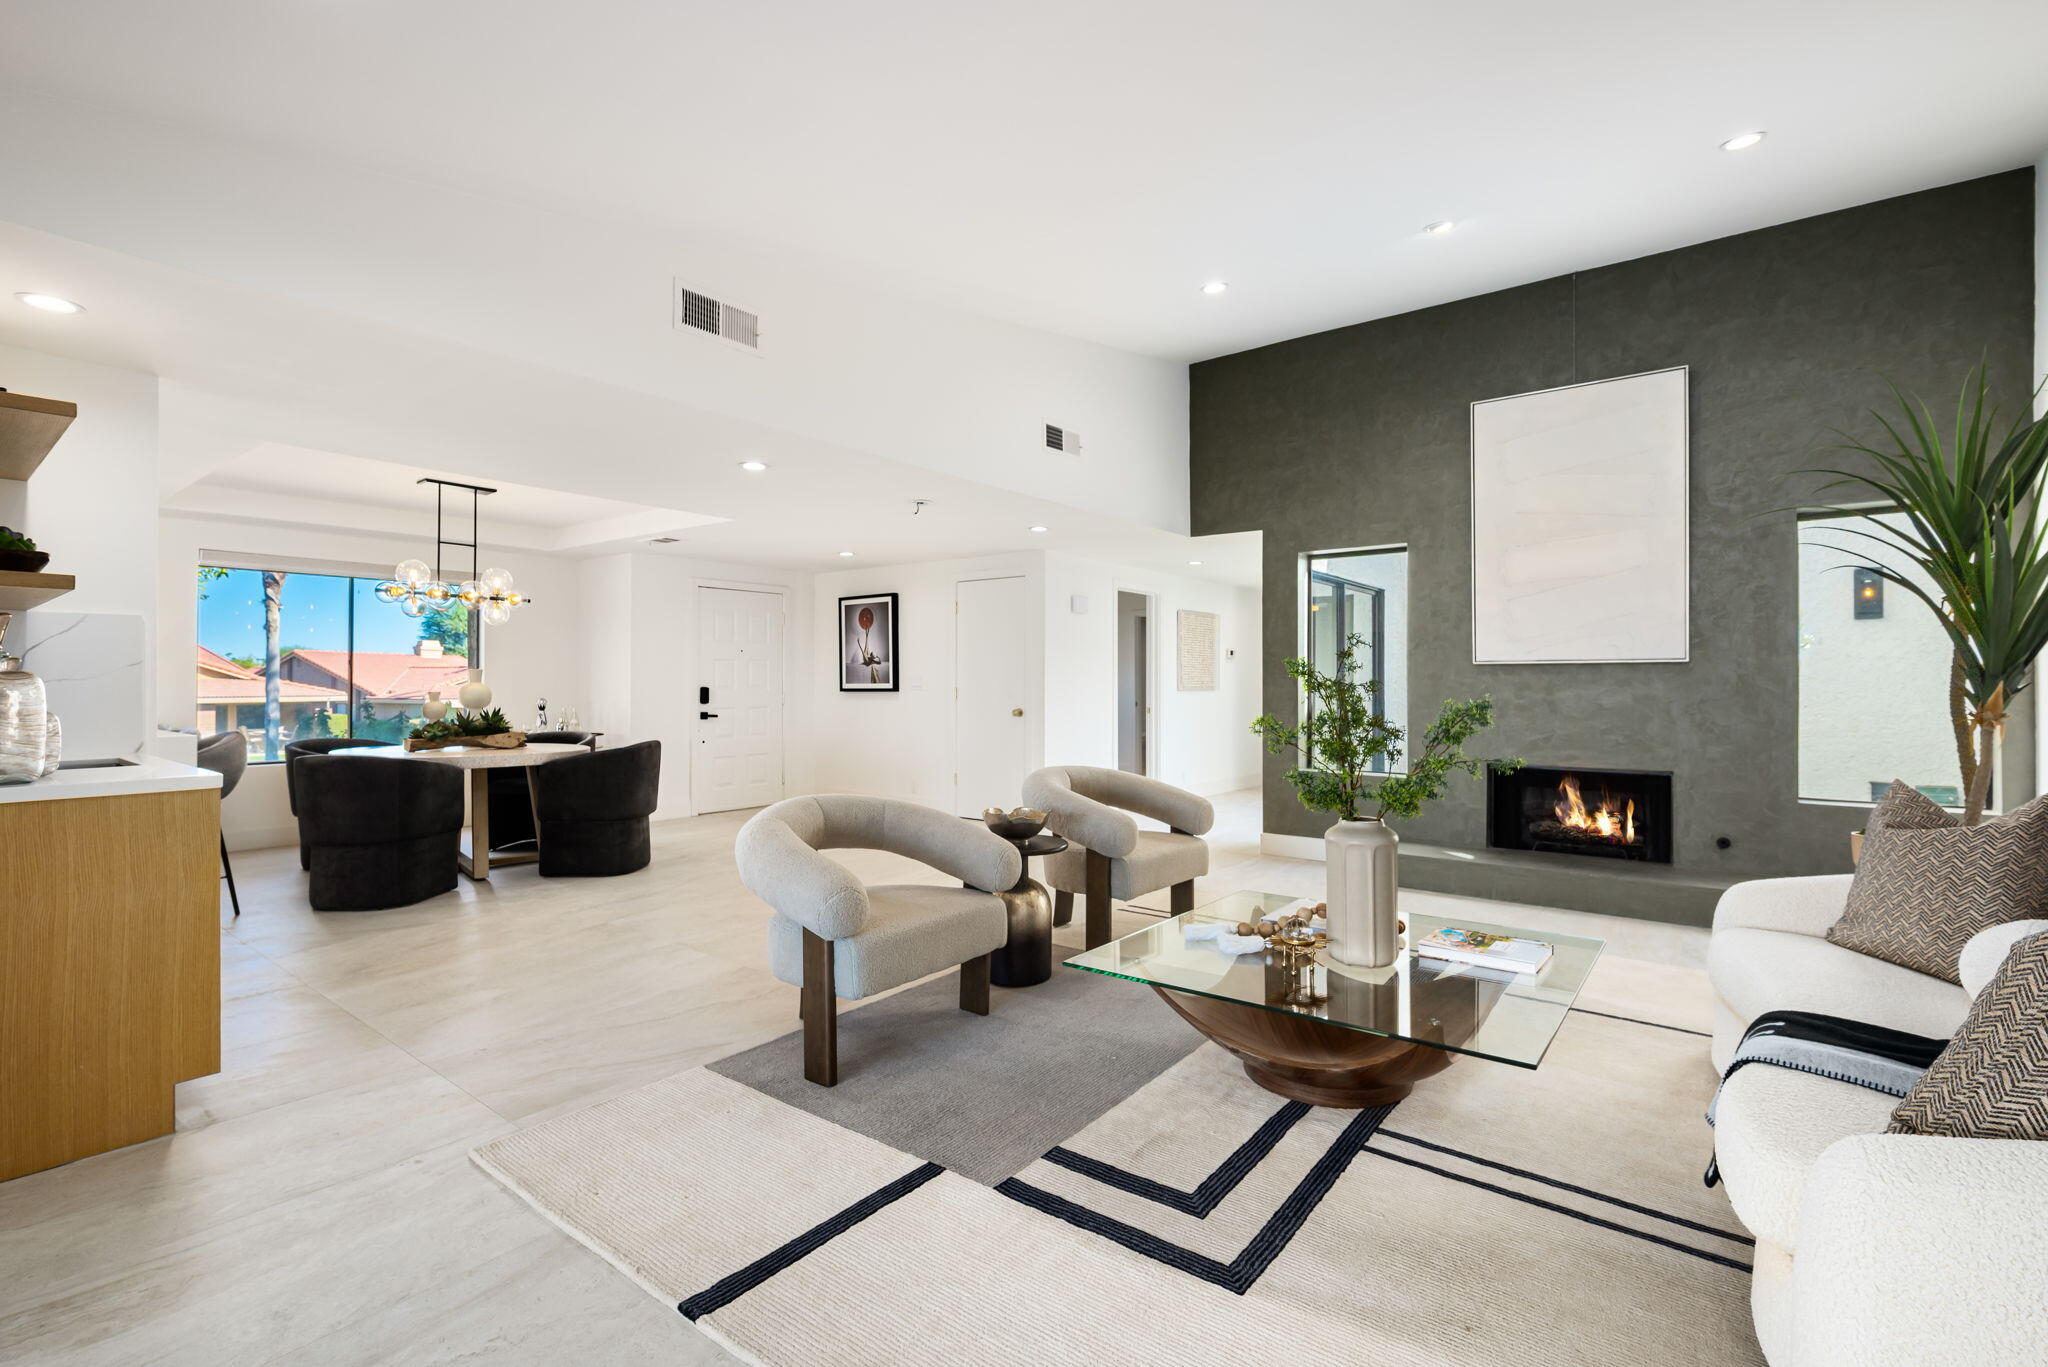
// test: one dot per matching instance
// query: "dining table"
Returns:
(475, 856)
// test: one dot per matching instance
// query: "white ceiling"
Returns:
(1083, 167)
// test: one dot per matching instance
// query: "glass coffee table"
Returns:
(1376, 1032)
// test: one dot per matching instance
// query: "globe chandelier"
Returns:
(420, 592)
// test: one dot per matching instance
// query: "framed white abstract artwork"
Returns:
(1579, 523)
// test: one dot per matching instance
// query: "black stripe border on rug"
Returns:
(1561, 1210)
(1239, 1273)
(1213, 1188)
(1743, 1239)
(729, 1289)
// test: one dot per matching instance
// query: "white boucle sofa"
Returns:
(1873, 1250)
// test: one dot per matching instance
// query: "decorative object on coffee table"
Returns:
(1347, 745)
(1370, 1034)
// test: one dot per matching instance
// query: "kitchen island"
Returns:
(109, 955)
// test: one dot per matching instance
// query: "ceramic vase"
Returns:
(476, 694)
(25, 743)
(433, 709)
(1362, 892)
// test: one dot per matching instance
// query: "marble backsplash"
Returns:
(94, 667)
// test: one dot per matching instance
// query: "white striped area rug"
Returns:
(1497, 1215)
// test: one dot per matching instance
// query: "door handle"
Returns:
(701, 716)
(1016, 711)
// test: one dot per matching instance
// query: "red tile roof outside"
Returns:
(220, 665)
(251, 690)
(393, 677)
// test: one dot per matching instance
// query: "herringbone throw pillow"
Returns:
(1927, 883)
(1992, 1080)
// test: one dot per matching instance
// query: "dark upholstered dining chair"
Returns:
(512, 795)
(380, 832)
(593, 811)
(297, 751)
(227, 754)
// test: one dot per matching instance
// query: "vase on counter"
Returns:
(25, 727)
(1362, 892)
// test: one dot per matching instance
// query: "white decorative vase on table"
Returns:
(475, 695)
(1362, 892)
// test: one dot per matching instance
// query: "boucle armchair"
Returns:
(1109, 857)
(835, 937)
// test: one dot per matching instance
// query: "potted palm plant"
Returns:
(1347, 746)
(1962, 509)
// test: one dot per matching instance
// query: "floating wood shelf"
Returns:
(20, 592)
(29, 427)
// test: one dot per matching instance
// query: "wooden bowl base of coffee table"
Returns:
(1310, 1060)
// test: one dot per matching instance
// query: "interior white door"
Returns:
(990, 662)
(738, 699)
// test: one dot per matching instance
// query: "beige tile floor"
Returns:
(316, 1204)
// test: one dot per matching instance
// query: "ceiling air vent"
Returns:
(1061, 438)
(664, 541)
(728, 322)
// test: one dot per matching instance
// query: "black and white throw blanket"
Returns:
(1888, 1061)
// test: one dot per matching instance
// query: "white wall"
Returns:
(531, 657)
(1201, 741)
(638, 637)
(92, 504)
(901, 744)
(851, 364)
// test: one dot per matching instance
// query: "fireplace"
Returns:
(1595, 813)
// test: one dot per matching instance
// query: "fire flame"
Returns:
(1604, 822)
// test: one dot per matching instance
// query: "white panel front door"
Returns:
(739, 659)
(989, 665)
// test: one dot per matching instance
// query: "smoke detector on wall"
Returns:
(1061, 438)
(719, 318)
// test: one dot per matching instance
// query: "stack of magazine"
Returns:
(1485, 949)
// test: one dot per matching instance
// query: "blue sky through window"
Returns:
(313, 616)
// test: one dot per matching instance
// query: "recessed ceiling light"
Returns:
(1216, 287)
(753, 466)
(1742, 142)
(49, 303)
(845, 553)
(1038, 529)
(1194, 562)
(1440, 227)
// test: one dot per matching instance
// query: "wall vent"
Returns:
(664, 541)
(1062, 438)
(728, 322)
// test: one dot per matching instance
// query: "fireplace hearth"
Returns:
(1591, 813)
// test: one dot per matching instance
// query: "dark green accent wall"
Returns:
(1360, 437)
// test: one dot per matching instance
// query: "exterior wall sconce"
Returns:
(1868, 586)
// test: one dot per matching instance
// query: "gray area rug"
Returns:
(983, 1096)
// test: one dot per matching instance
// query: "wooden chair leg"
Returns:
(974, 985)
(1098, 899)
(1182, 897)
(1062, 908)
(820, 1013)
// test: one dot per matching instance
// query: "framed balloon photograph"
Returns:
(867, 644)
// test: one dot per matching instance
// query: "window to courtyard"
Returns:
(1363, 594)
(284, 656)
(1874, 669)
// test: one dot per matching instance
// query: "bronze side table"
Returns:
(1025, 959)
